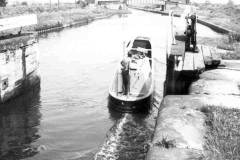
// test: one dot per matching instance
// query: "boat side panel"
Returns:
(143, 105)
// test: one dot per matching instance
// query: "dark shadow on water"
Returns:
(19, 122)
(115, 115)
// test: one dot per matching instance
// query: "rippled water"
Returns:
(69, 118)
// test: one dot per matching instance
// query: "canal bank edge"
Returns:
(182, 125)
(216, 28)
(184, 122)
(179, 132)
(19, 64)
(83, 21)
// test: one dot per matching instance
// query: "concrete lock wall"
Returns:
(18, 69)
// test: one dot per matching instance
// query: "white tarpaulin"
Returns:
(19, 21)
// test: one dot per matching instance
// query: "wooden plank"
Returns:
(206, 55)
(216, 58)
(198, 61)
(188, 62)
(178, 49)
(17, 22)
(179, 65)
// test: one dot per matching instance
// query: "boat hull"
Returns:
(141, 105)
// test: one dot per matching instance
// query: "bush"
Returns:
(223, 136)
(24, 3)
(90, 1)
(234, 37)
(39, 9)
(82, 4)
(230, 3)
(3, 3)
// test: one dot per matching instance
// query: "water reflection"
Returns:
(116, 114)
(113, 114)
(19, 123)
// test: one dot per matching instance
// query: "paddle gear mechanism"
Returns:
(191, 33)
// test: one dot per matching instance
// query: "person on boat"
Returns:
(188, 33)
(130, 53)
(125, 75)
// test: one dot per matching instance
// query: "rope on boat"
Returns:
(158, 108)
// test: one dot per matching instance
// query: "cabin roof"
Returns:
(142, 38)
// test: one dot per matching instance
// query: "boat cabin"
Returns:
(141, 46)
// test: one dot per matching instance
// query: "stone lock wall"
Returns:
(17, 66)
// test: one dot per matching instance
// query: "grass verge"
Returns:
(225, 15)
(232, 47)
(223, 136)
(56, 17)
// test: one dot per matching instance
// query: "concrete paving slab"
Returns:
(231, 64)
(179, 133)
(188, 62)
(180, 128)
(222, 74)
(214, 87)
(216, 58)
(199, 61)
(206, 55)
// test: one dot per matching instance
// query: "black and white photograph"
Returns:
(119, 79)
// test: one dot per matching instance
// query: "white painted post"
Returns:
(172, 28)
(169, 39)
(24, 69)
(124, 45)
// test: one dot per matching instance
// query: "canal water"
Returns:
(68, 118)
